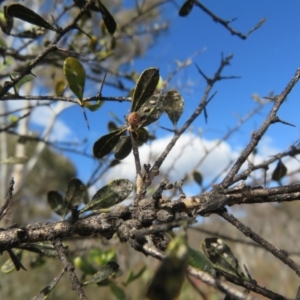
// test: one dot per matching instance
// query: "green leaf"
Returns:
(110, 268)
(174, 105)
(2, 44)
(186, 8)
(114, 162)
(142, 136)
(152, 109)
(75, 75)
(7, 24)
(131, 276)
(21, 12)
(15, 160)
(59, 87)
(112, 126)
(123, 147)
(56, 202)
(222, 257)
(108, 19)
(109, 195)
(117, 291)
(145, 88)
(82, 264)
(93, 107)
(26, 78)
(169, 278)
(13, 120)
(280, 171)
(101, 257)
(199, 261)
(106, 143)
(43, 294)
(198, 177)
(76, 192)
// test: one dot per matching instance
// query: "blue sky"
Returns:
(266, 62)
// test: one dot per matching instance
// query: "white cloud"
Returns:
(209, 157)
(41, 116)
(185, 157)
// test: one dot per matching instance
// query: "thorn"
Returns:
(102, 84)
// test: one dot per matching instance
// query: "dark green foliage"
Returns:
(186, 8)
(280, 171)
(145, 88)
(221, 256)
(21, 12)
(109, 195)
(123, 147)
(174, 105)
(105, 144)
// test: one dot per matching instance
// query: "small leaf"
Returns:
(76, 192)
(117, 291)
(280, 171)
(43, 294)
(101, 257)
(110, 268)
(110, 195)
(123, 147)
(59, 87)
(2, 43)
(13, 120)
(186, 8)
(152, 109)
(108, 19)
(145, 88)
(112, 126)
(106, 143)
(199, 261)
(169, 278)
(75, 75)
(222, 257)
(142, 136)
(82, 264)
(114, 162)
(7, 24)
(93, 107)
(131, 276)
(15, 160)
(56, 202)
(26, 78)
(21, 12)
(174, 105)
(198, 177)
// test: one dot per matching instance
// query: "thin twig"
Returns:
(199, 109)
(13, 124)
(256, 136)
(76, 285)
(65, 99)
(50, 48)
(220, 284)
(226, 23)
(3, 209)
(279, 253)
